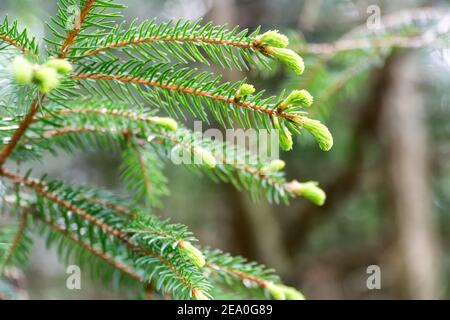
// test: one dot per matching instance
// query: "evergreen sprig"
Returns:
(11, 36)
(103, 85)
(182, 40)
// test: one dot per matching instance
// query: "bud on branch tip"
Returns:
(168, 123)
(320, 133)
(309, 190)
(60, 65)
(206, 158)
(199, 295)
(244, 90)
(299, 97)
(273, 166)
(22, 71)
(46, 76)
(273, 38)
(194, 254)
(288, 57)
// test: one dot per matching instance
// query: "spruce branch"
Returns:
(71, 35)
(188, 276)
(222, 96)
(17, 238)
(182, 39)
(23, 126)
(231, 160)
(10, 34)
(38, 100)
(94, 251)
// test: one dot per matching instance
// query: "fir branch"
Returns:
(135, 242)
(71, 35)
(17, 238)
(20, 131)
(224, 97)
(11, 35)
(227, 157)
(181, 39)
(141, 170)
(94, 251)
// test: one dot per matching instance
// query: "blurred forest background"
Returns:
(382, 89)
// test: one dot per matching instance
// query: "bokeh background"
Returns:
(380, 86)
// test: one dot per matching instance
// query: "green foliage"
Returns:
(10, 36)
(105, 85)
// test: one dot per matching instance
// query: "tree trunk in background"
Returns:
(405, 140)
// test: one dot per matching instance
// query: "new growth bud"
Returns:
(22, 71)
(197, 294)
(320, 133)
(46, 76)
(273, 166)
(293, 294)
(288, 57)
(167, 123)
(46, 79)
(245, 90)
(285, 139)
(273, 38)
(206, 158)
(309, 190)
(60, 65)
(195, 255)
(276, 291)
(282, 292)
(299, 97)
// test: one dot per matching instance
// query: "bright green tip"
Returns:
(197, 294)
(277, 291)
(299, 97)
(288, 57)
(22, 71)
(60, 65)
(46, 79)
(320, 133)
(194, 254)
(206, 158)
(273, 166)
(245, 90)
(276, 165)
(309, 190)
(168, 123)
(285, 139)
(273, 38)
(293, 294)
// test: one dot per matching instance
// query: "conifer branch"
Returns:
(121, 236)
(70, 38)
(189, 91)
(24, 124)
(14, 43)
(270, 180)
(94, 251)
(13, 37)
(199, 39)
(17, 238)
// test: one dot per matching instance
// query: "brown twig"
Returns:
(38, 100)
(14, 43)
(120, 44)
(187, 90)
(17, 238)
(68, 42)
(23, 126)
(98, 253)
